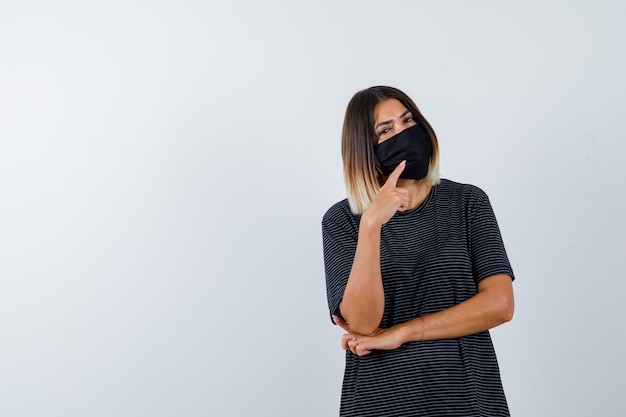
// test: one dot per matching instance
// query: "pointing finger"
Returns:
(392, 180)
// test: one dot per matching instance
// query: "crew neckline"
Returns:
(421, 206)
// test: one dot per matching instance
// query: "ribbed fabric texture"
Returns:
(432, 258)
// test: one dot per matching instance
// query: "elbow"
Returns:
(364, 329)
(500, 301)
(362, 325)
(506, 309)
(507, 314)
(362, 321)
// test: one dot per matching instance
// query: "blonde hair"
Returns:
(362, 175)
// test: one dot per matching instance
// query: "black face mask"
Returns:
(413, 145)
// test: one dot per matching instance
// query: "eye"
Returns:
(384, 131)
(409, 119)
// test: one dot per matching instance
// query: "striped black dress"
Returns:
(432, 257)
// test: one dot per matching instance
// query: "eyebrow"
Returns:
(389, 121)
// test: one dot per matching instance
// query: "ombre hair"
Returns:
(361, 169)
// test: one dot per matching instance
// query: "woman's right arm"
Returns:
(363, 301)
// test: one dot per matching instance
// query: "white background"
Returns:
(164, 167)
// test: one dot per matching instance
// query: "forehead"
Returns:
(388, 109)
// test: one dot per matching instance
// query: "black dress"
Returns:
(432, 258)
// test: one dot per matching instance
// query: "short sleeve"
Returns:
(486, 246)
(339, 238)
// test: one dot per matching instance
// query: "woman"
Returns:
(416, 271)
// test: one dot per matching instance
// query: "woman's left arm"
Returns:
(490, 307)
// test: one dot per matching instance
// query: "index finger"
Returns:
(392, 179)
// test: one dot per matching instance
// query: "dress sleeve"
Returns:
(339, 243)
(486, 246)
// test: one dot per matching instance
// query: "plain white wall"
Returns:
(164, 167)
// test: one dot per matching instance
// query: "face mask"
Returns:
(413, 145)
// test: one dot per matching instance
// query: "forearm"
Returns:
(492, 306)
(363, 301)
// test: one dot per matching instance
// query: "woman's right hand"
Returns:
(389, 200)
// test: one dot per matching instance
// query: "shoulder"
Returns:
(461, 192)
(339, 217)
(465, 199)
(338, 212)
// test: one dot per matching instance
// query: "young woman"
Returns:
(416, 271)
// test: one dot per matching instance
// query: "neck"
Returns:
(418, 191)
